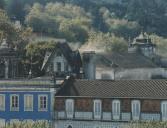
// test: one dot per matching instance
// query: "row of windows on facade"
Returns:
(116, 109)
(28, 102)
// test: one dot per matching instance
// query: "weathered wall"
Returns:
(89, 66)
(130, 74)
(86, 105)
(151, 106)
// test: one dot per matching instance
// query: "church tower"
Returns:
(143, 44)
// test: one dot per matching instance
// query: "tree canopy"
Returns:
(61, 21)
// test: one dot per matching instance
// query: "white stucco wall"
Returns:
(132, 74)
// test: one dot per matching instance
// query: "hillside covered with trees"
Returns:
(106, 25)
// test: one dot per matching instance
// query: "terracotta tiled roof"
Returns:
(156, 89)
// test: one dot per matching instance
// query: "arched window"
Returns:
(135, 109)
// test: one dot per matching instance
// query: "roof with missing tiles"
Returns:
(148, 89)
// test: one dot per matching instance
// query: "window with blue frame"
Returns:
(2, 102)
(28, 102)
(42, 103)
(14, 102)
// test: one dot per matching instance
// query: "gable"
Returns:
(72, 57)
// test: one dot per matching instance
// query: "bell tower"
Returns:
(143, 44)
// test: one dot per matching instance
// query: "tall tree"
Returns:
(16, 9)
(2, 4)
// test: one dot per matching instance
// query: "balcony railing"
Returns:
(107, 116)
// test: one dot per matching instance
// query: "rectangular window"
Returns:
(14, 102)
(135, 110)
(97, 109)
(59, 66)
(51, 68)
(2, 102)
(116, 109)
(164, 110)
(28, 102)
(70, 108)
(42, 102)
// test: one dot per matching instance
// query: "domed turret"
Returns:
(143, 44)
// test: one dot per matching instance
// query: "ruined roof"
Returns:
(124, 60)
(147, 89)
(71, 56)
(6, 51)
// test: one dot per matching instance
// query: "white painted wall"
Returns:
(131, 74)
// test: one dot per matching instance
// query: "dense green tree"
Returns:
(105, 43)
(16, 9)
(151, 15)
(35, 52)
(119, 27)
(2, 4)
(7, 29)
(61, 21)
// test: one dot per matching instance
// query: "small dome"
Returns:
(143, 36)
(4, 45)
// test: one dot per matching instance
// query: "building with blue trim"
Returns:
(22, 100)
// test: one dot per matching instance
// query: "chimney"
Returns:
(89, 66)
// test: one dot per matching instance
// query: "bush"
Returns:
(28, 124)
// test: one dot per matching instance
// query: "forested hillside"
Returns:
(151, 15)
(106, 25)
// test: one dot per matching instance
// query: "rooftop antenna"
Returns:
(129, 41)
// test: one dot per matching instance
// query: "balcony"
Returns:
(107, 116)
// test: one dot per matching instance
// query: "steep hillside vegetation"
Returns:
(103, 25)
